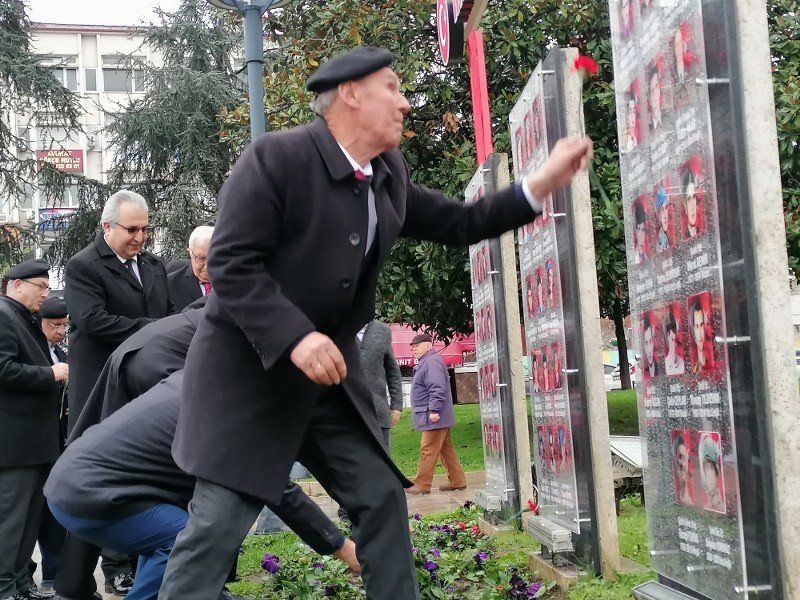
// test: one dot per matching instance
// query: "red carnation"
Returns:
(586, 65)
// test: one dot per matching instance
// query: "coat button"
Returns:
(357, 190)
(355, 239)
(345, 283)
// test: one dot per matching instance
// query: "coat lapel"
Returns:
(111, 262)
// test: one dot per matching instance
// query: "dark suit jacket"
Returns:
(381, 370)
(106, 305)
(288, 258)
(144, 359)
(28, 391)
(184, 287)
(63, 404)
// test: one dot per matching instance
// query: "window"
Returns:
(117, 77)
(64, 69)
(90, 77)
(69, 199)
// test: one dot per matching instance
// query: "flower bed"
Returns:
(454, 561)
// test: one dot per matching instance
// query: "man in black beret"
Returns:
(307, 218)
(28, 422)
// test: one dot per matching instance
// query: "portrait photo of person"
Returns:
(673, 359)
(541, 448)
(558, 366)
(692, 221)
(655, 95)
(525, 233)
(701, 346)
(625, 18)
(633, 130)
(530, 295)
(537, 123)
(552, 291)
(563, 442)
(547, 369)
(552, 436)
(709, 456)
(682, 471)
(521, 154)
(650, 366)
(641, 241)
(536, 367)
(540, 291)
(682, 61)
(666, 232)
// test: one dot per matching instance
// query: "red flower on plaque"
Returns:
(533, 507)
(586, 65)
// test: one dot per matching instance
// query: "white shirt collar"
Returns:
(367, 170)
(121, 259)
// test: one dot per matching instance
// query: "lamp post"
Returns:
(252, 11)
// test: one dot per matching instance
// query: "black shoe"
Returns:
(120, 585)
(33, 593)
(95, 596)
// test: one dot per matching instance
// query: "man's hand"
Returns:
(567, 157)
(319, 359)
(395, 416)
(433, 417)
(347, 554)
(60, 371)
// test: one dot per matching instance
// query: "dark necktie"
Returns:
(129, 265)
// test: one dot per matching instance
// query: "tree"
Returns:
(26, 88)
(166, 143)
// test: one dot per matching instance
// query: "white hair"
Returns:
(323, 101)
(200, 234)
(111, 208)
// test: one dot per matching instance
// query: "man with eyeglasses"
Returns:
(191, 283)
(29, 385)
(113, 288)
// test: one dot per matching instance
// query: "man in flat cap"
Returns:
(28, 422)
(433, 415)
(308, 217)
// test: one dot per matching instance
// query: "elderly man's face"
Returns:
(420, 349)
(30, 292)
(381, 107)
(198, 253)
(54, 330)
(129, 233)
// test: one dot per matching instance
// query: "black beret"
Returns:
(28, 269)
(53, 308)
(353, 64)
(421, 337)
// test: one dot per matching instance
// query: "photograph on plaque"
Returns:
(632, 134)
(642, 233)
(683, 62)
(664, 215)
(709, 454)
(654, 78)
(683, 466)
(674, 338)
(651, 347)
(701, 348)
(691, 193)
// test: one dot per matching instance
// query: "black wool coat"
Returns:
(147, 357)
(184, 287)
(288, 258)
(106, 305)
(29, 393)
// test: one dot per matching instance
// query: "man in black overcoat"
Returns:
(29, 443)
(308, 217)
(113, 288)
(190, 282)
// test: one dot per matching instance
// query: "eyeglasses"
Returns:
(134, 230)
(42, 286)
(200, 260)
(55, 327)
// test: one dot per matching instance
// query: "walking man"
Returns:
(380, 367)
(432, 414)
(308, 216)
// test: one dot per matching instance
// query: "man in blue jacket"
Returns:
(432, 414)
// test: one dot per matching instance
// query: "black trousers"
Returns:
(20, 512)
(75, 573)
(346, 460)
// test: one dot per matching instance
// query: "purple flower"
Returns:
(533, 589)
(271, 564)
(430, 566)
(417, 517)
(481, 557)
(330, 590)
(435, 552)
(318, 565)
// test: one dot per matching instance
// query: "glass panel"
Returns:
(90, 76)
(71, 79)
(116, 80)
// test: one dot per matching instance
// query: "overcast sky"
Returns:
(96, 12)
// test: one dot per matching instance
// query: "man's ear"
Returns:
(348, 92)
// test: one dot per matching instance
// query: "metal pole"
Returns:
(254, 56)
